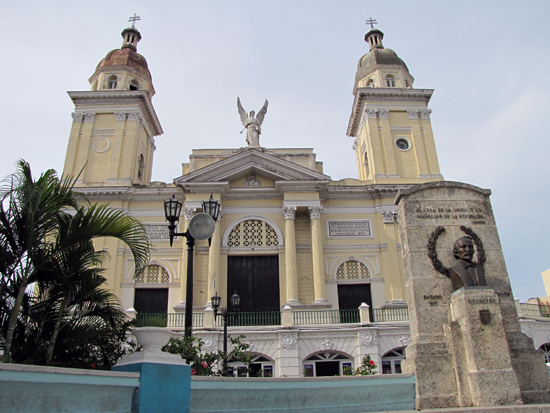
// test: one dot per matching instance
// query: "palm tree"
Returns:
(42, 241)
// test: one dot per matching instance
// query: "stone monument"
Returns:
(466, 348)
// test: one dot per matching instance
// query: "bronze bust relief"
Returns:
(465, 271)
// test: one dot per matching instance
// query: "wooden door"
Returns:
(256, 280)
(350, 297)
(151, 300)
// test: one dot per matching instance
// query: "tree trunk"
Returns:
(51, 345)
(12, 323)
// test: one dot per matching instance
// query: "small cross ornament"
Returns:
(372, 22)
(133, 19)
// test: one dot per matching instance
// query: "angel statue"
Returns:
(252, 123)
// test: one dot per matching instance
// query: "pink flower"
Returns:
(193, 372)
(371, 363)
(204, 364)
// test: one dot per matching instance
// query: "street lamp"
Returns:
(201, 227)
(235, 302)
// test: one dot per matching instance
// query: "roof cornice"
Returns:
(382, 95)
(114, 97)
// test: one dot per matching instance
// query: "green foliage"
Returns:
(151, 320)
(206, 364)
(68, 318)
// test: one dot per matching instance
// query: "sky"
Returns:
(487, 61)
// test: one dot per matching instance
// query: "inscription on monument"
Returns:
(349, 229)
(473, 213)
(157, 231)
(433, 298)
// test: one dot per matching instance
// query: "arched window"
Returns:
(352, 270)
(134, 84)
(391, 361)
(112, 83)
(252, 233)
(407, 83)
(390, 81)
(327, 363)
(141, 167)
(370, 83)
(545, 348)
(260, 366)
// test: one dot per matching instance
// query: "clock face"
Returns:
(402, 144)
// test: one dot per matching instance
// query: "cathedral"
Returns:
(317, 262)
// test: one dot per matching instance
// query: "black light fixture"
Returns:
(172, 211)
(216, 302)
(201, 227)
(235, 302)
(211, 207)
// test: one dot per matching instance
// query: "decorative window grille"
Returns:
(153, 274)
(352, 270)
(252, 233)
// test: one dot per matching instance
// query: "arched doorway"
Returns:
(353, 278)
(151, 292)
(260, 366)
(326, 363)
(254, 277)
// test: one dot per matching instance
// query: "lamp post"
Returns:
(201, 227)
(235, 302)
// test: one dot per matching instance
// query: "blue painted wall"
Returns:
(48, 389)
(164, 388)
(307, 395)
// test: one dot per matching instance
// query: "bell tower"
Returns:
(112, 138)
(390, 120)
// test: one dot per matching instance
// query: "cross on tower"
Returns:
(372, 22)
(133, 19)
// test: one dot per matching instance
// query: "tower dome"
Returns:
(380, 67)
(124, 68)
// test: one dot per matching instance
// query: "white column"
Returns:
(290, 257)
(317, 255)
(187, 215)
(214, 262)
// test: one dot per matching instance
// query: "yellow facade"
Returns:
(276, 202)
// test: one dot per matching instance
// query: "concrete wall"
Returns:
(307, 395)
(49, 389)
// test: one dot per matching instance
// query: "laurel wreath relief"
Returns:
(438, 265)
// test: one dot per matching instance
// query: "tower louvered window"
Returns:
(153, 274)
(252, 233)
(352, 270)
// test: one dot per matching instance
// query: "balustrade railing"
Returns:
(273, 318)
(380, 315)
(326, 317)
(266, 318)
(167, 319)
(535, 310)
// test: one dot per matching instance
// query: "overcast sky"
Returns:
(487, 61)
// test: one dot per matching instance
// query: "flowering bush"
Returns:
(367, 368)
(206, 364)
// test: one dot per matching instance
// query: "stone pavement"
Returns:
(526, 408)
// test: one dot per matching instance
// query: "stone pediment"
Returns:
(243, 170)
